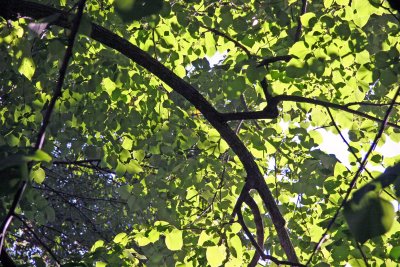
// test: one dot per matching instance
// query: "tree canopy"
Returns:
(188, 133)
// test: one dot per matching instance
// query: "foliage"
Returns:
(155, 156)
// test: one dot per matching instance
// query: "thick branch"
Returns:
(267, 114)
(259, 227)
(114, 41)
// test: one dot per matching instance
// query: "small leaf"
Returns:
(98, 244)
(27, 67)
(180, 71)
(100, 264)
(142, 240)
(120, 170)
(236, 227)
(296, 68)
(307, 19)
(12, 140)
(133, 167)
(130, 10)
(395, 253)
(39, 155)
(38, 175)
(127, 143)
(299, 49)
(216, 255)
(121, 238)
(173, 240)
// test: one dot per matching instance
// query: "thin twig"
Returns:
(46, 119)
(354, 180)
(362, 253)
(237, 43)
(62, 72)
(368, 104)
(345, 141)
(38, 238)
(299, 25)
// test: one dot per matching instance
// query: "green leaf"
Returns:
(133, 167)
(328, 3)
(180, 71)
(357, 263)
(299, 50)
(254, 73)
(317, 66)
(395, 253)
(37, 175)
(12, 140)
(216, 255)
(308, 19)
(39, 155)
(173, 240)
(130, 10)
(121, 238)
(369, 217)
(296, 68)
(120, 170)
(27, 67)
(388, 77)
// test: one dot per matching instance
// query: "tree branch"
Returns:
(5, 259)
(259, 227)
(61, 75)
(269, 60)
(299, 25)
(46, 119)
(360, 169)
(245, 197)
(268, 114)
(112, 40)
(38, 239)
(238, 44)
(369, 104)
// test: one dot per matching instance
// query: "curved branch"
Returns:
(112, 40)
(259, 227)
